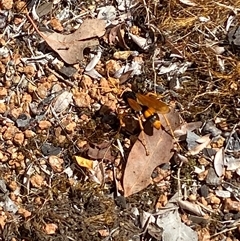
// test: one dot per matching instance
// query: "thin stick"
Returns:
(143, 140)
(171, 130)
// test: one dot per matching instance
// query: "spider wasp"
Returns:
(147, 106)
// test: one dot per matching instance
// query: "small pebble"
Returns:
(204, 191)
(43, 125)
(210, 127)
(56, 25)
(29, 70)
(18, 138)
(56, 163)
(212, 178)
(192, 197)
(7, 4)
(71, 127)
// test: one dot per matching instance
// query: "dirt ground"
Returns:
(119, 120)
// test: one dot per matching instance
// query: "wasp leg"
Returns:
(143, 140)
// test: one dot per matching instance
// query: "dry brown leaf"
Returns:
(116, 35)
(100, 151)
(70, 47)
(139, 166)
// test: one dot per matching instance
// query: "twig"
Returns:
(60, 124)
(223, 231)
(147, 11)
(156, 52)
(60, 77)
(35, 26)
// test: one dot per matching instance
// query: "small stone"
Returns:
(86, 81)
(42, 91)
(104, 232)
(13, 185)
(29, 133)
(38, 201)
(215, 200)
(3, 92)
(7, 4)
(25, 213)
(16, 112)
(104, 86)
(84, 117)
(82, 99)
(49, 150)
(43, 125)
(203, 161)
(112, 66)
(56, 25)
(27, 98)
(9, 133)
(192, 197)
(23, 120)
(236, 216)
(31, 88)
(210, 127)
(20, 5)
(29, 70)
(50, 228)
(18, 138)
(123, 55)
(56, 163)
(212, 178)
(3, 108)
(204, 190)
(80, 144)
(231, 205)
(37, 180)
(162, 201)
(71, 127)
(204, 235)
(228, 175)
(68, 71)
(61, 139)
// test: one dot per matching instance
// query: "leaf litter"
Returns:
(189, 55)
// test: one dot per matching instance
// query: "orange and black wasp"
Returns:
(147, 106)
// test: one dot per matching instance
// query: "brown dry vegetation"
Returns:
(55, 196)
